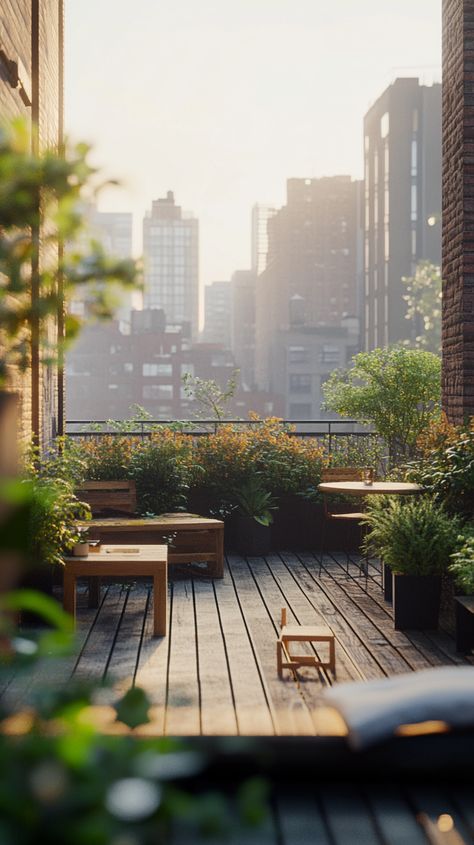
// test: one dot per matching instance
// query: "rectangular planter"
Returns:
(416, 602)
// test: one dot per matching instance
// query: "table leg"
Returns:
(69, 593)
(160, 602)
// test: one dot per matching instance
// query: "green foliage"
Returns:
(208, 396)
(42, 192)
(446, 470)
(161, 467)
(462, 566)
(396, 389)
(253, 500)
(414, 537)
(423, 299)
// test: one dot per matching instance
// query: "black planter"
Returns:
(387, 582)
(416, 602)
(293, 524)
(251, 538)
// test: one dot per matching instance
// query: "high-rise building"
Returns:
(217, 313)
(261, 214)
(113, 229)
(311, 277)
(171, 255)
(402, 184)
(242, 332)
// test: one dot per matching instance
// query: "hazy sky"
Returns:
(223, 100)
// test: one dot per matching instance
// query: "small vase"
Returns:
(81, 550)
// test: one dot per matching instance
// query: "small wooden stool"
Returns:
(301, 634)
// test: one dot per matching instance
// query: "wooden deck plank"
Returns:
(307, 614)
(437, 648)
(390, 660)
(347, 636)
(254, 717)
(152, 665)
(217, 703)
(183, 702)
(436, 801)
(291, 713)
(94, 658)
(122, 666)
(369, 599)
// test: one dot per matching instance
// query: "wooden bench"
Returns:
(190, 538)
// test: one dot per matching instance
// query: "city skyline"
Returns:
(225, 127)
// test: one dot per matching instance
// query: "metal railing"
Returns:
(327, 429)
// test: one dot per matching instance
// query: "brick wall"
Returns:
(29, 28)
(458, 209)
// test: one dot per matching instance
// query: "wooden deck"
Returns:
(215, 672)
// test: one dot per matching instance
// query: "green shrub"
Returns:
(414, 537)
(161, 467)
(462, 566)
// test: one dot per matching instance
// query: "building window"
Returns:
(330, 354)
(414, 157)
(298, 355)
(414, 197)
(300, 411)
(157, 391)
(300, 383)
(384, 125)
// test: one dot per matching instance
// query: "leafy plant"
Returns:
(254, 501)
(396, 389)
(210, 398)
(40, 193)
(462, 566)
(413, 537)
(446, 466)
(161, 467)
(423, 298)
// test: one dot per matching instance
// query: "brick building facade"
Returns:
(31, 86)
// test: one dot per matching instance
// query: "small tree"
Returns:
(423, 299)
(41, 193)
(209, 397)
(396, 389)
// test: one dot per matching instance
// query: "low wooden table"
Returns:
(115, 561)
(190, 538)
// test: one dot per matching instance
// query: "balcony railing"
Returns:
(329, 430)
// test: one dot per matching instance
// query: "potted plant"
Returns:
(81, 546)
(253, 517)
(462, 566)
(415, 538)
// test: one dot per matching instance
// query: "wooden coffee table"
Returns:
(112, 561)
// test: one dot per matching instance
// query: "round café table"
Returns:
(359, 488)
